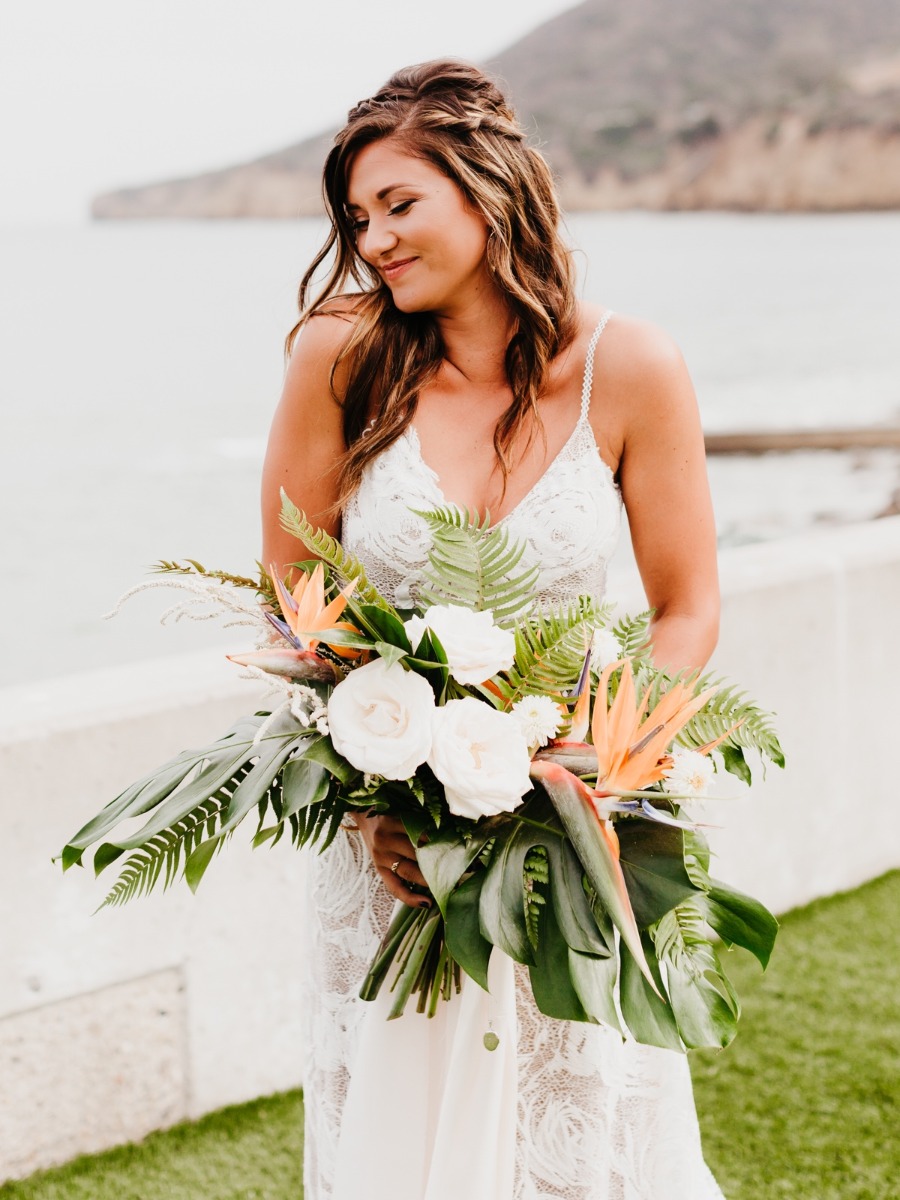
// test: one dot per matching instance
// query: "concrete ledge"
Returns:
(212, 981)
(71, 1097)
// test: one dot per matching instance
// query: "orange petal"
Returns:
(600, 720)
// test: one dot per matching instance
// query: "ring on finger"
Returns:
(395, 865)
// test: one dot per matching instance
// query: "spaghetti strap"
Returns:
(589, 364)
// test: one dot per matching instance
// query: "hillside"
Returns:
(661, 104)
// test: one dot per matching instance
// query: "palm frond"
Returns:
(476, 566)
(170, 848)
(727, 708)
(632, 634)
(332, 553)
(550, 651)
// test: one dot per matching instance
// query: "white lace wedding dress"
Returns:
(596, 1118)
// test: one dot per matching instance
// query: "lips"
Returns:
(394, 270)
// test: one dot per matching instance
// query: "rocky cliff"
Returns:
(791, 105)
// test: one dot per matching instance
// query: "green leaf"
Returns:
(445, 858)
(594, 980)
(574, 915)
(144, 867)
(703, 1001)
(735, 763)
(341, 637)
(633, 635)
(303, 782)
(729, 709)
(71, 857)
(332, 553)
(652, 858)
(475, 566)
(551, 983)
(386, 626)
(572, 801)
(550, 650)
(152, 789)
(322, 751)
(284, 734)
(105, 854)
(463, 929)
(740, 920)
(259, 779)
(415, 824)
(390, 654)
(696, 858)
(502, 908)
(198, 861)
(649, 1018)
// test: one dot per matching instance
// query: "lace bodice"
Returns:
(596, 1118)
(569, 521)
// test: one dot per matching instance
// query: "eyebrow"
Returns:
(391, 187)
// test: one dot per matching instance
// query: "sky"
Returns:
(100, 94)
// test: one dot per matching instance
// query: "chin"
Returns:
(410, 303)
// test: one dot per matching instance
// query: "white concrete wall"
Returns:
(118, 1023)
(115, 1024)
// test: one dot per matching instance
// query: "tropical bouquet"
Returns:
(538, 760)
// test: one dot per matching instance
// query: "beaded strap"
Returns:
(589, 364)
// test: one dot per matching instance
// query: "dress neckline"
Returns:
(412, 436)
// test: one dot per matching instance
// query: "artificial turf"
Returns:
(805, 1105)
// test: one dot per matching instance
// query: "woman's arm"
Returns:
(305, 445)
(662, 473)
(306, 441)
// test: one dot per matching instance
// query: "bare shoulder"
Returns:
(320, 340)
(636, 354)
(306, 440)
(641, 382)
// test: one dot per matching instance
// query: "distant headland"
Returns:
(784, 106)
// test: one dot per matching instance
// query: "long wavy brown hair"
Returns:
(452, 115)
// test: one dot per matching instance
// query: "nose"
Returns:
(377, 239)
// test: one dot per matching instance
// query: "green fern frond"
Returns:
(332, 553)
(168, 849)
(317, 824)
(550, 651)
(476, 566)
(680, 938)
(727, 708)
(632, 634)
(535, 878)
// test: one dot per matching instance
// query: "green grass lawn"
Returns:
(805, 1105)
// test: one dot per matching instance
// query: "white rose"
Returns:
(476, 648)
(481, 757)
(380, 719)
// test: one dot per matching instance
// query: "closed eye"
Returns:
(360, 224)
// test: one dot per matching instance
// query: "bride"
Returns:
(447, 360)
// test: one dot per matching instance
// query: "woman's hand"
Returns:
(394, 857)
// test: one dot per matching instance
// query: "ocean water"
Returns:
(141, 363)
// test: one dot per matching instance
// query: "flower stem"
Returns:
(411, 972)
(401, 926)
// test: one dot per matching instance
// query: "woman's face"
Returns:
(414, 227)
